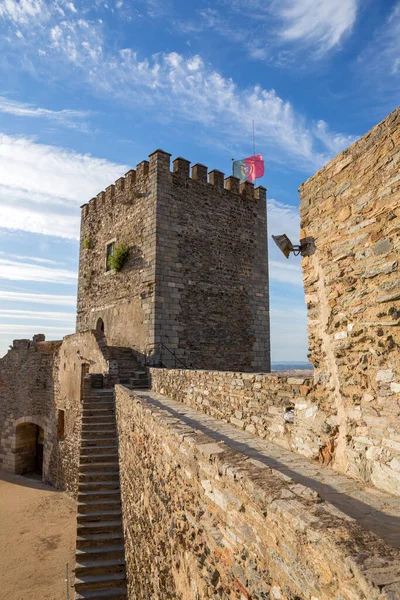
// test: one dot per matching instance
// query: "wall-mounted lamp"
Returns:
(286, 246)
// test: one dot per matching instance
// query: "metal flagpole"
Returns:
(254, 145)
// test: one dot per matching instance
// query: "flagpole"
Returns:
(254, 145)
(233, 160)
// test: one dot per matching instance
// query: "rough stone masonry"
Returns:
(350, 211)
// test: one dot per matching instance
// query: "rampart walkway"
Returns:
(375, 510)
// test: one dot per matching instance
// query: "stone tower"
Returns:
(196, 279)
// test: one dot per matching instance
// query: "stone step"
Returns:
(118, 593)
(93, 441)
(98, 412)
(97, 540)
(100, 449)
(99, 466)
(87, 448)
(99, 566)
(109, 457)
(113, 551)
(108, 418)
(98, 476)
(99, 527)
(99, 505)
(98, 433)
(87, 486)
(103, 424)
(98, 495)
(99, 582)
(98, 515)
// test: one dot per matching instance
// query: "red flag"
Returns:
(249, 168)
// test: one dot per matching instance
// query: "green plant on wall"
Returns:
(119, 257)
(87, 243)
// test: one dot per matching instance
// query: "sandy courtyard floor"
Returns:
(37, 539)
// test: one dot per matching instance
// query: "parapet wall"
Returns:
(281, 408)
(202, 521)
(350, 210)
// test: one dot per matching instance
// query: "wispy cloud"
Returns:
(37, 298)
(69, 118)
(37, 315)
(56, 182)
(23, 11)
(13, 270)
(12, 329)
(380, 60)
(186, 87)
(319, 23)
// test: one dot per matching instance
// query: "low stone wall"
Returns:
(202, 521)
(284, 408)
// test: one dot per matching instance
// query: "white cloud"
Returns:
(45, 261)
(69, 118)
(23, 11)
(172, 85)
(335, 142)
(30, 329)
(37, 315)
(37, 298)
(382, 55)
(13, 270)
(56, 182)
(320, 23)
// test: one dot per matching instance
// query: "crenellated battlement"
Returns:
(160, 162)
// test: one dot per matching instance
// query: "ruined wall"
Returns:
(79, 354)
(212, 268)
(27, 396)
(38, 381)
(351, 212)
(280, 408)
(124, 213)
(201, 521)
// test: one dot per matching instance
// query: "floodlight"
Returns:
(286, 246)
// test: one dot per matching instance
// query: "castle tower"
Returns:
(196, 278)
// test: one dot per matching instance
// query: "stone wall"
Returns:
(197, 275)
(212, 268)
(282, 408)
(27, 397)
(41, 384)
(79, 354)
(125, 214)
(202, 521)
(350, 211)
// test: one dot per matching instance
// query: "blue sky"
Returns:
(89, 89)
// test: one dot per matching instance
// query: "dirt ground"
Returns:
(37, 539)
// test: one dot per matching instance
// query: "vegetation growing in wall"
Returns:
(87, 243)
(119, 257)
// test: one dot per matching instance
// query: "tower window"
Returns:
(109, 252)
(60, 425)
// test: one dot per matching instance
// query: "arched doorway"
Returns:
(29, 449)
(100, 325)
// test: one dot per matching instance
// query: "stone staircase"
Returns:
(128, 366)
(100, 558)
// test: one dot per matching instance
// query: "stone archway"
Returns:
(29, 442)
(100, 325)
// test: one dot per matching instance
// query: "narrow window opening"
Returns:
(60, 425)
(109, 252)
